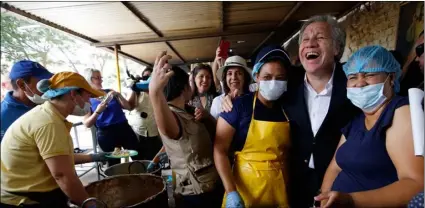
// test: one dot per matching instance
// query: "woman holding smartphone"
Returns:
(112, 126)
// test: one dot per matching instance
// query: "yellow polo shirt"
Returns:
(39, 134)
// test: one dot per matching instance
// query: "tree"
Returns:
(99, 59)
(21, 39)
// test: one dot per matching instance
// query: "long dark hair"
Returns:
(246, 77)
(212, 90)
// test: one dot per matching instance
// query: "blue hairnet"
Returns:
(260, 64)
(371, 59)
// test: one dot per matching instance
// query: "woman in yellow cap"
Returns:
(37, 153)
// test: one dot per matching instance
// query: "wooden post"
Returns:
(117, 47)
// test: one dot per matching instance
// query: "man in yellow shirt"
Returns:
(37, 159)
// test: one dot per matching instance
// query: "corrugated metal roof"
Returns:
(34, 5)
(99, 21)
(196, 49)
(180, 18)
(255, 14)
(208, 21)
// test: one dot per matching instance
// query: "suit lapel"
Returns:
(299, 110)
(339, 95)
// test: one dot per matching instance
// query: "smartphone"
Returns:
(224, 49)
(108, 98)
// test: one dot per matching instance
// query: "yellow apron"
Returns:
(260, 169)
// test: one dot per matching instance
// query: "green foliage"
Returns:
(21, 39)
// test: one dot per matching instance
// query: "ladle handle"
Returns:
(93, 199)
(131, 164)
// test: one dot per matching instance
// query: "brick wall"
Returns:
(374, 24)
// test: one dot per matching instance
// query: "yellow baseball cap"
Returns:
(64, 82)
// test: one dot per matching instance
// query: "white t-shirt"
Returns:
(216, 106)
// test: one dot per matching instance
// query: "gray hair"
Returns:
(338, 33)
(88, 73)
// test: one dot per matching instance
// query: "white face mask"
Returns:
(367, 98)
(36, 99)
(271, 90)
(78, 111)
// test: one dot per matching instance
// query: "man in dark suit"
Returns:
(317, 106)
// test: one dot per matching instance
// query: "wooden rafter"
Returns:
(281, 23)
(181, 37)
(146, 21)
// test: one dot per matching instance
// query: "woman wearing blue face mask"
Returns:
(256, 134)
(375, 164)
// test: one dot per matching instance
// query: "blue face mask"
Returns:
(367, 98)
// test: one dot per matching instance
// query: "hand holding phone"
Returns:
(108, 98)
(224, 49)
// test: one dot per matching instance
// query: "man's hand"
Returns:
(227, 102)
(161, 73)
(334, 199)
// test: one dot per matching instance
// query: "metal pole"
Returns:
(117, 47)
(94, 140)
(76, 137)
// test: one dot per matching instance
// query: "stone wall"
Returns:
(371, 24)
(375, 24)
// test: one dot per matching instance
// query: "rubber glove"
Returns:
(163, 157)
(99, 157)
(151, 167)
(234, 200)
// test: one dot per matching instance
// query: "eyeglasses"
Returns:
(419, 50)
(97, 78)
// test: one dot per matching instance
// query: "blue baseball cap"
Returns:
(271, 51)
(27, 68)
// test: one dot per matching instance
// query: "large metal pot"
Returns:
(133, 190)
(135, 167)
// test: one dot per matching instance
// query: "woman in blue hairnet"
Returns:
(256, 134)
(375, 164)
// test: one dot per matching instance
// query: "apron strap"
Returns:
(253, 108)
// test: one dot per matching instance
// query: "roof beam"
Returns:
(222, 17)
(130, 57)
(64, 29)
(146, 21)
(175, 38)
(142, 18)
(46, 22)
(221, 27)
(281, 23)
